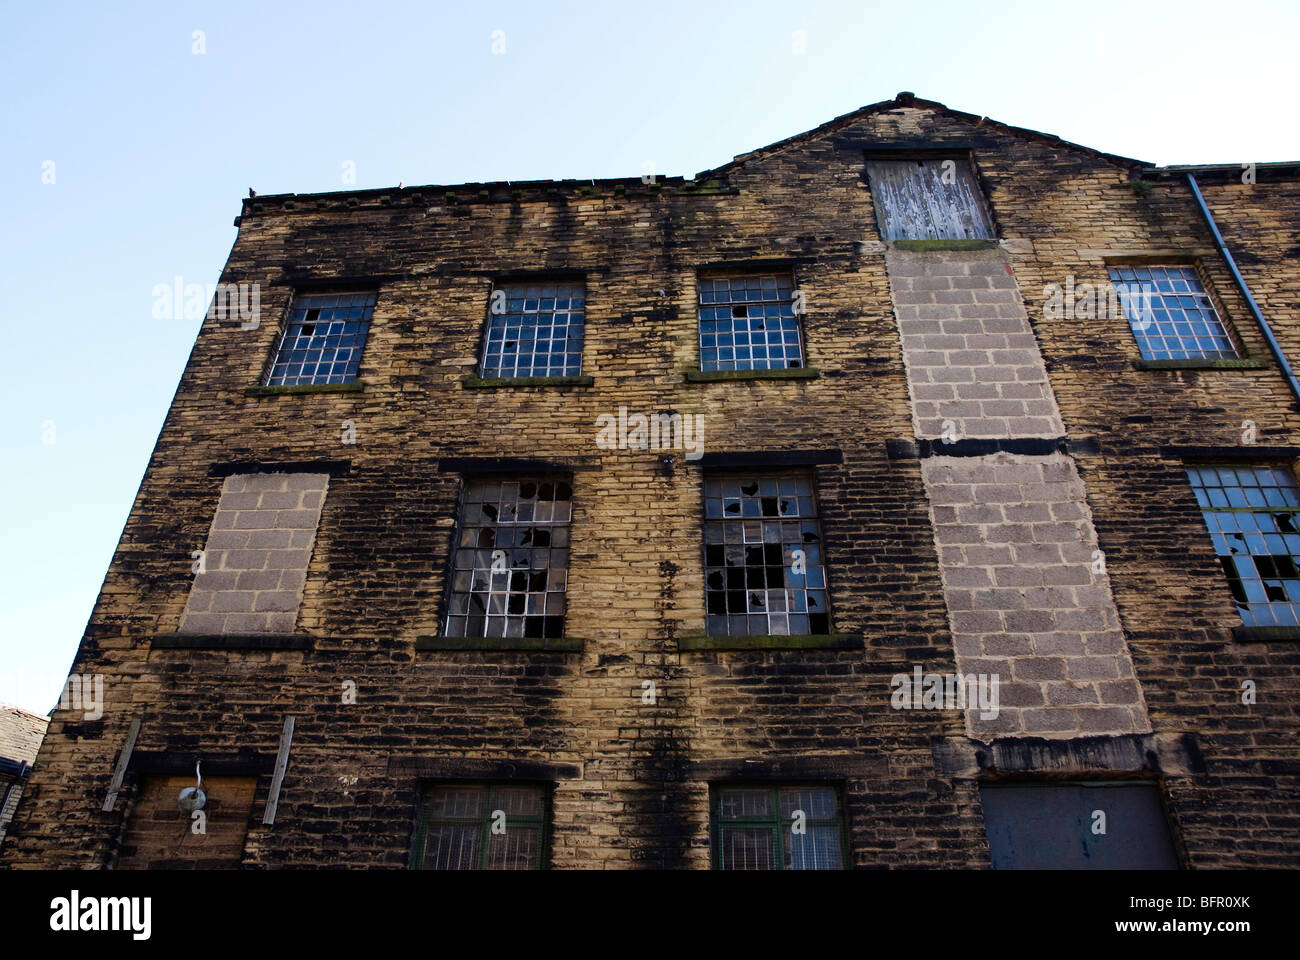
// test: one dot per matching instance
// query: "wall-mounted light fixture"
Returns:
(193, 798)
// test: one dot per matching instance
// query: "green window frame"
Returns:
(480, 825)
(755, 826)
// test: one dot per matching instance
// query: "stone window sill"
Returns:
(814, 641)
(233, 641)
(473, 382)
(717, 376)
(356, 386)
(542, 644)
(1235, 363)
(1264, 634)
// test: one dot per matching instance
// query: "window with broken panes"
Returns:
(1253, 515)
(481, 826)
(1171, 314)
(323, 339)
(538, 333)
(748, 323)
(928, 199)
(764, 827)
(763, 566)
(511, 563)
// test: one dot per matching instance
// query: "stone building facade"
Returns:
(820, 511)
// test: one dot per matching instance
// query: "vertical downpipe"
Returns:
(1273, 345)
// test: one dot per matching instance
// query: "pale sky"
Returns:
(129, 141)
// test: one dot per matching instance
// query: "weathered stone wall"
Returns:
(631, 778)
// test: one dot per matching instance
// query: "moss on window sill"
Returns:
(717, 376)
(543, 644)
(473, 382)
(812, 641)
(1264, 634)
(356, 386)
(1224, 363)
(924, 245)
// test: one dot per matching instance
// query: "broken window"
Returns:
(935, 199)
(1253, 515)
(535, 330)
(481, 826)
(1077, 826)
(511, 564)
(1171, 314)
(763, 567)
(323, 339)
(748, 323)
(763, 827)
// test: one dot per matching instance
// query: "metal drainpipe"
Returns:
(1273, 345)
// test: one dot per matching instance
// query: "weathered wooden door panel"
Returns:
(928, 200)
(160, 836)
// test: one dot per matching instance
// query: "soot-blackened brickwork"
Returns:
(381, 703)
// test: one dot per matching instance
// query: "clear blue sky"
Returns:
(154, 145)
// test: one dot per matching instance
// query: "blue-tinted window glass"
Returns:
(323, 339)
(751, 324)
(1253, 517)
(1170, 313)
(539, 332)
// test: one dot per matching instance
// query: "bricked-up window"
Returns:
(748, 323)
(511, 564)
(1171, 314)
(535, 330)
(481, 826)
(1052, 826)
(763, 567)
(323, 339)
(928, 199)
(1253, 514)
(785, 827)
(159, 835)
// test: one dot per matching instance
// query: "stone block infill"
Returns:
(970, 354)
(256, 557)
(1028, 600)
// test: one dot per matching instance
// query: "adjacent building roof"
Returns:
(21, 734)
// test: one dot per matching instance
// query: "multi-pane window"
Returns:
(511, 565)
(760, 827)
(323, 339)
(481, 826)
(763, 564)
(748, 323)
(1171, 314)
(1253, 514)
(934, 199)
(535, 330)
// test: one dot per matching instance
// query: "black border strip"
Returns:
(769, 458)
(445, 768)
(335, 468)
(1246, 452)
(849, 766)
(1023, 446)
(179, 762)
(512, 465)
(232, 641)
